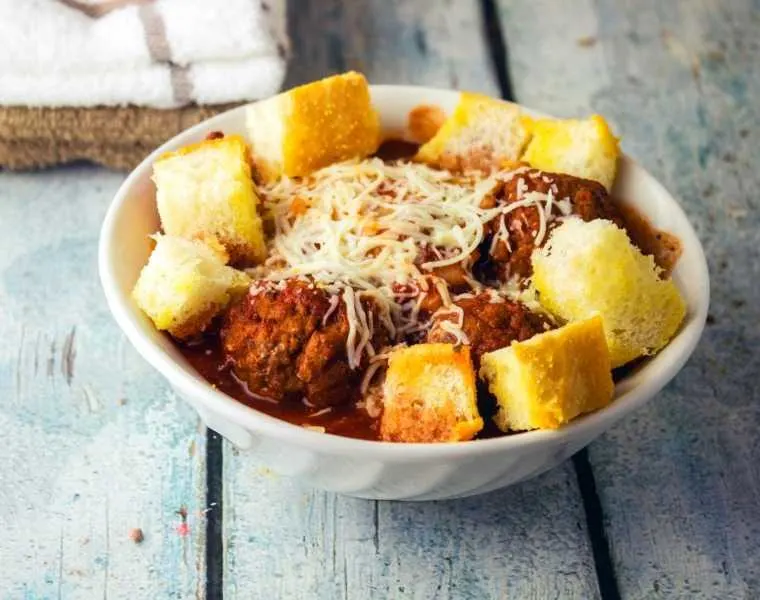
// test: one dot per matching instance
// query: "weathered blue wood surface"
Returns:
(93, 443)
(426, 42)
(679, 482)
(286, 541)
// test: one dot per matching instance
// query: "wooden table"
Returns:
(667, 505)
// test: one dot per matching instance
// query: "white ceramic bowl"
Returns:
(383, 470)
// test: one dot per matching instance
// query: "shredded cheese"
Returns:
(320, 413)
(358, 230)
(376, 363)
(334, 302)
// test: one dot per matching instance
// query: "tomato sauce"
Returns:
(205, 355)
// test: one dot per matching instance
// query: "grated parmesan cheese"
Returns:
(358, 231)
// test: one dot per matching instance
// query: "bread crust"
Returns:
(590, 268)
(185, 284)
(544, 382)
(313, 126)
(586, 148)
(204, 190)
(482, 133)
(429, 395)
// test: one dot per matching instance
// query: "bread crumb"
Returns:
(136, 535)
(587, 41)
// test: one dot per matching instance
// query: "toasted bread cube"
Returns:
(584, 148)
(312, 126)
(206, 190)
(551, 378)
(429, 395)
(185, 284)
(482, 133)
(423, 122)
(590, 268)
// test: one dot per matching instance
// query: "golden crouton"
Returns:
(590, 268)
(482, 133)
(429, 395)
(584, 148)
(186, 284)
(206, 190)
(551, 378)
(312, 126)
(423, 122)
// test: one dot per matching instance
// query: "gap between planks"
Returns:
(215, 516)
(592, 507)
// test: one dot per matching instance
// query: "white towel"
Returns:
(164, 53)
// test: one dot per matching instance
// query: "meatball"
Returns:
(587, 199)
(290, 343)
(490, 322)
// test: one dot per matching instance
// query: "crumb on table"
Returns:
(136, 535)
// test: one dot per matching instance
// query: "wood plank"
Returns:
(94, 444)
(391, 41)
(286, 541)
(679, 482)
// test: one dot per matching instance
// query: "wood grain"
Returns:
(285, 541)
(679, 482)
(93, 445)
(391, 41)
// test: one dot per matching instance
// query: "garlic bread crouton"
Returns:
(589, 268)
(313, 126)
(482, 133)
(551, 378)
(206, 190)
(423, 122)
(185, 284)
(429, 395)
(584, 148)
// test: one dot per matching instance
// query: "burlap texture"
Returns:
(119, 138)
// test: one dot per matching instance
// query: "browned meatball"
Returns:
(290, 343)
(588, 200)
(491, 325)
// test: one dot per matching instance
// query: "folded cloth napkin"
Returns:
(164, 53)
(109, 80)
